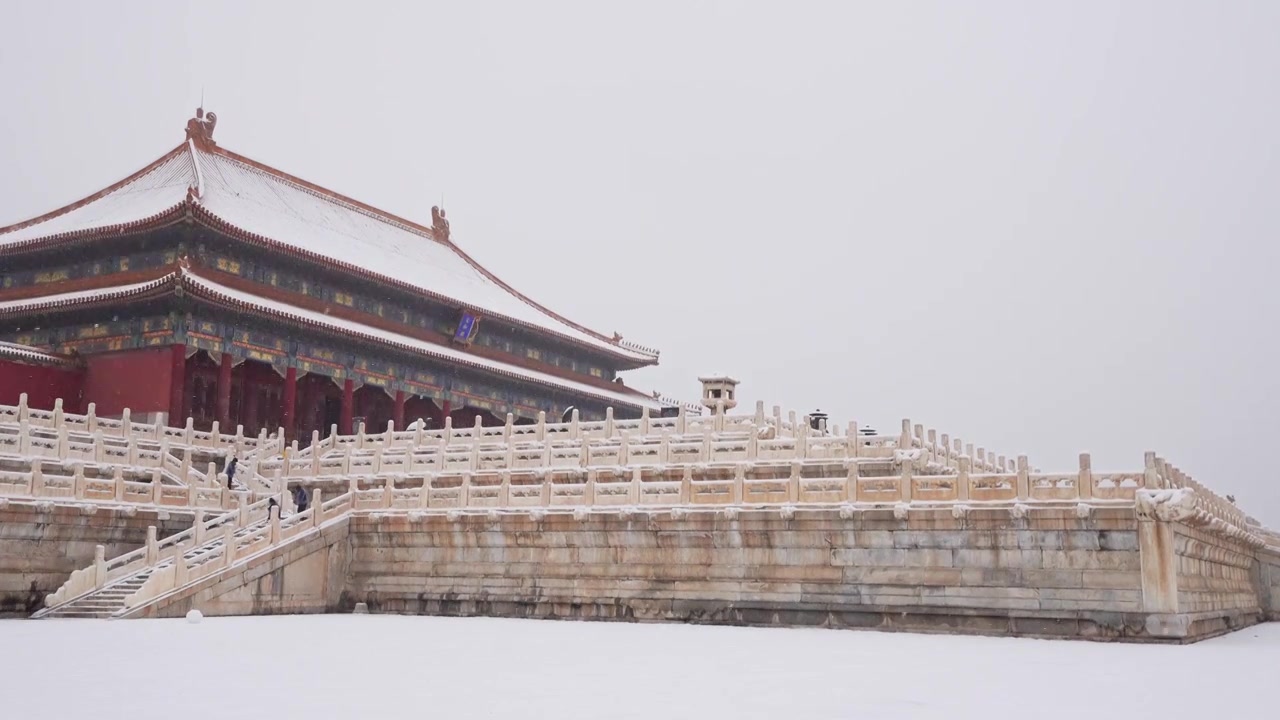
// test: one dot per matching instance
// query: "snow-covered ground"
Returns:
(381, 667)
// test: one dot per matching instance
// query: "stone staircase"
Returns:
(99, 604)
(109, 601)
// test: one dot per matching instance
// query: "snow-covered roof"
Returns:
(32, 355)
(66, 298)
(454, 355)
(204, 287)
(258, 203)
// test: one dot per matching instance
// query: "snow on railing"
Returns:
(859, 480)
(56, 419)
(72, 483)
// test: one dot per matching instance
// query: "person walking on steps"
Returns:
(231, 470)
(300, 497)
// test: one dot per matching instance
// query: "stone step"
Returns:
(85, 615)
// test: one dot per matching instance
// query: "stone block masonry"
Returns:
(1049, 573)
(41, 543)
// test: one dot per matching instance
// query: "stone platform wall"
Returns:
(1269, 583)
(42, 543)
(1048, 573)
(1214, 573)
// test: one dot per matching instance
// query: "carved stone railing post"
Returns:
(1084, 481)
(905, 482)
(99, 566)
(275, 524)
(851, 479)
(424, 497)
(153, 550)
(633, 491)
(589, 491)
(317, 507)
(962, 480)
(228, 545)
(24, 437)
(1024, 478)
(1150, 475)
(77, 480)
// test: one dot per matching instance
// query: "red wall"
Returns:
(134, 379)
(41, 384)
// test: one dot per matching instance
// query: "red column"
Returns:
(445, 408)
(397, 415)
(290, 396)
(348, 402)
(224, 392)
(177, 384)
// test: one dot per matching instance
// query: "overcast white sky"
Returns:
(1044, 228)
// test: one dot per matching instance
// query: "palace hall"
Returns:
(211, 286)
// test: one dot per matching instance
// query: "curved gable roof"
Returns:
(264, 204)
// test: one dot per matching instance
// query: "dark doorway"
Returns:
(332, 413)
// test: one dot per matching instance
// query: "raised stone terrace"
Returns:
(754, 518)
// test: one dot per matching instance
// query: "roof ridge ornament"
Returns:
(200, 128)
(439, 224)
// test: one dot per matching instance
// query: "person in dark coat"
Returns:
(300, 497)
(231, 470)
